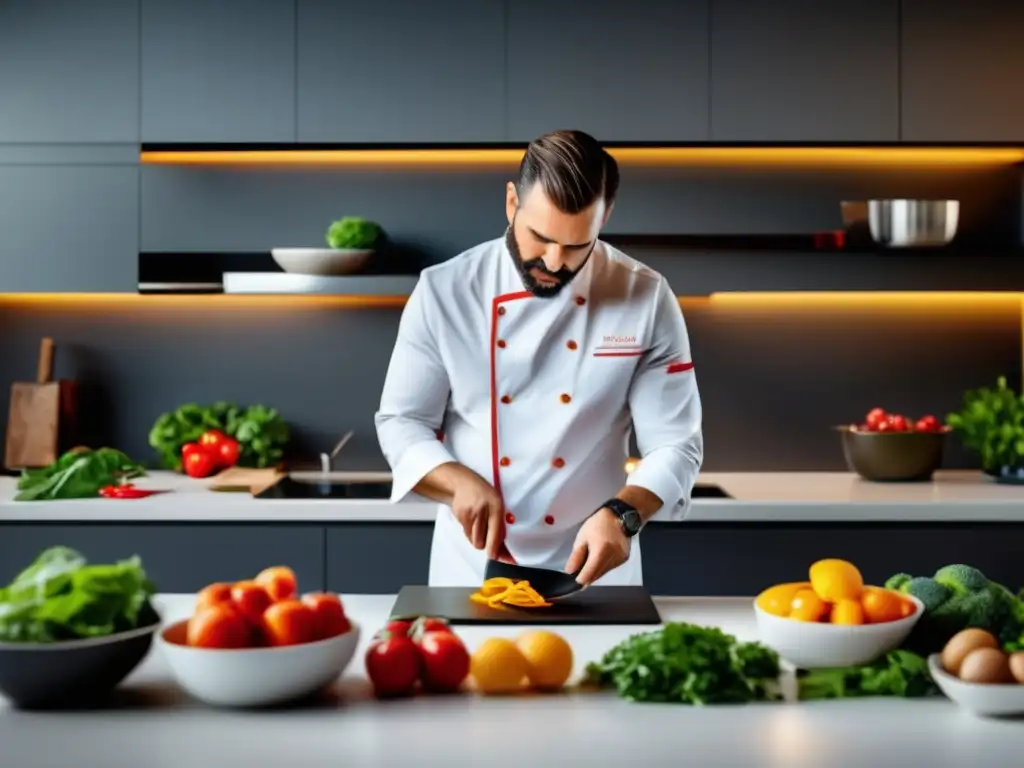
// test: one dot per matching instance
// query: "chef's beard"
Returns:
(564, 276)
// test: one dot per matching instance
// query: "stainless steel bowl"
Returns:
(913, 223)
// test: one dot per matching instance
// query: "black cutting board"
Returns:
(597, 605)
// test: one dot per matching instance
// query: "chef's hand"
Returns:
(479, 508)
(600, 546)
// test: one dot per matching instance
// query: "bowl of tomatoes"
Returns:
(890, 447)
(257, 642)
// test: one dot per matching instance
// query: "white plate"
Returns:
(984, 700)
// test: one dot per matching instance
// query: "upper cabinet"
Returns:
(805, 71)
(218, 71)
(622, 72)
(69, 71)
(963, 69)
(392, 71)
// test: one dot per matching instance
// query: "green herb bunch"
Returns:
(991, 423)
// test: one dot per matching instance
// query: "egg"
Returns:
(961, 644)
(1017, 666)
(986, 665)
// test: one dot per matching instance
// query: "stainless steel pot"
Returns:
(913, 223)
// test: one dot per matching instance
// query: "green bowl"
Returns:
(893, 456)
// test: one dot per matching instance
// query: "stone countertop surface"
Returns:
(953, 496)
(156, 725)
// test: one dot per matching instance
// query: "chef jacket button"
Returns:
(558, 463)
(505, 461)
(549, 520)
(501, 343)
(580, 300)
(506, 399)
(510, 518)
(501, 310)
(566, 398)
(571, 344)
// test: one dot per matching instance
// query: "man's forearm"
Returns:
(439, 484)
(645, 502)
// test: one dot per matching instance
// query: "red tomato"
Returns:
(884, 426)
(213, 594)
(393, 665)
(330, 614)
(290, 622)
(426, 624)
(227, 452)
(875, 418)
(218, 626)
(251, 600)
(927, 423)
(898, 423)
(199, 464)
(398, 627)
(189, 448)
(279, 581)
(445, 661)
(211, 439)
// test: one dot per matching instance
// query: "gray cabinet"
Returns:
(178, 558)
(962, 71)
(218, 71)
(401, 71)
(636, 73)
(69, 71)
(804, 71)
(377, 558)
(69, 228)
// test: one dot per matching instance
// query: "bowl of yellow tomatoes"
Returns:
(834, 619)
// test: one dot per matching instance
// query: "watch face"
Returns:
(632, 521)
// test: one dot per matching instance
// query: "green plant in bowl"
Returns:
(991, 423)
(353, 233)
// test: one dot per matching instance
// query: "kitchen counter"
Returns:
(770, 497)
(156, 725)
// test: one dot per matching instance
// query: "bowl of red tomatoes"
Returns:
(890, 447)
(258, 642)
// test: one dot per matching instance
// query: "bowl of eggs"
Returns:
(974, 671)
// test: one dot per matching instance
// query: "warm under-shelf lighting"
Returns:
(915, 299)
(639, 156)
(60, 302)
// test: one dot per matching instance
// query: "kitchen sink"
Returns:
(708, 491)
(289, 488)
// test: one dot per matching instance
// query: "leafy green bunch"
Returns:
(261, 432)
(991, 423)
(78, 474)
(353, 232)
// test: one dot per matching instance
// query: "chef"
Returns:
(519, 369)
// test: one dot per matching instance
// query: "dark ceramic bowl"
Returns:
(893, 456)
(550, 584)
(73, 673)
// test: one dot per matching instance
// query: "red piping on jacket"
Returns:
(679, 368)
(495, 467)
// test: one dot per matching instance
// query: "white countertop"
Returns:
(953, 496)
(158, 726)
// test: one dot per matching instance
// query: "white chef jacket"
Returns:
(537, 396)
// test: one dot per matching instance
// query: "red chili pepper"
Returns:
(125, 491)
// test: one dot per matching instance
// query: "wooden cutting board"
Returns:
(597, 605)
(245, 479)
(42, 418)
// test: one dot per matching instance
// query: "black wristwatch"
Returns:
(629, 518)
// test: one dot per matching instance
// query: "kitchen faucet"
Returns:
(327, 459)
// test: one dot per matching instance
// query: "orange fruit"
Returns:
(807, 606)
(836, 580)
(218, 626)
(498, 666)
(290, 622)
(778, 600)
(213, 594)
(279, 581)
(847, 612)
(548, 656)
(881, 605)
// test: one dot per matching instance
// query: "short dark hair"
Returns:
(572, 168)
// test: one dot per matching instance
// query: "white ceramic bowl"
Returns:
(324, 262)
(983, 700)
(255, 677)
(811, 645)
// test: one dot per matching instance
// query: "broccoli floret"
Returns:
(961, 578)
(897, 582)
(928, 591)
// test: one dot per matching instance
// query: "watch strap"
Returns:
(627, 514)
